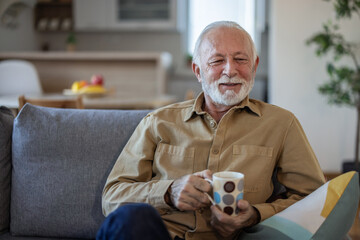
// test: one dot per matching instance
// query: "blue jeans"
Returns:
(133, 221)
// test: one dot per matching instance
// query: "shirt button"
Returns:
(215, 151)
(212, 124)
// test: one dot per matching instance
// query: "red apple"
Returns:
(97, 79)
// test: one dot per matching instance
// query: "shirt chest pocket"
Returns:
(171, 161)
(256, 163)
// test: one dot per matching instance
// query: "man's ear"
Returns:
(256, 64)
(196, 70)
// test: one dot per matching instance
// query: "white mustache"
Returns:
(225, 79)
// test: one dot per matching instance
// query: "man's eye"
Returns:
(217, 61)
(241, 59)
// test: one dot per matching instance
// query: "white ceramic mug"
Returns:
(228, 189)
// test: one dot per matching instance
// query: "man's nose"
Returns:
(229, 68)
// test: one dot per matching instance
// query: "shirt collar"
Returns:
(197, 107)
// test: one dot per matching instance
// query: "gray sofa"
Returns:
(53, 166)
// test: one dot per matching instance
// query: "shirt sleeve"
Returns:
(131, 177)
(298, 171)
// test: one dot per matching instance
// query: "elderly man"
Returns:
(175, 148)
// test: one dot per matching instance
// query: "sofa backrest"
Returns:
(61, 159)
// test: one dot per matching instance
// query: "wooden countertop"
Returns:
(164, 57)
(86, 54)
(111, 101)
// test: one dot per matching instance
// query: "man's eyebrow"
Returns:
(234, 54)
(217, 55)
(240, 53)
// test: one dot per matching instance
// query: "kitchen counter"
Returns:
(142, 74)
(162, 57)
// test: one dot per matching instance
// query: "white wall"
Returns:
(22, 38)
(295, 74)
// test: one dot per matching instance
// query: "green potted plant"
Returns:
(71, 42)
(343, 86)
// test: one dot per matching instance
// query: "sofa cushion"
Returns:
(327, 213)
(61, 160)
(6, 125)
(8, 236)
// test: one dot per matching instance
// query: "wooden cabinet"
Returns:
(53, 15)
(110, 15)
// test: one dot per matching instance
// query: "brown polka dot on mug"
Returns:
(229, 186)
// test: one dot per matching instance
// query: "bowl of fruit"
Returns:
(94, 88)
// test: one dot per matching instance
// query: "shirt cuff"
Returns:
(265, 210)
(157, 194)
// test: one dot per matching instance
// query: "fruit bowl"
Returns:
(88, 93)
(69, 92)
(95, 89)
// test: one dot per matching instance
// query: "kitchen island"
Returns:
(139, 73)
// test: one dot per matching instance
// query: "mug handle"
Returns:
(209, 197)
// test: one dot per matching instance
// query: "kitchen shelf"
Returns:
(53, 16)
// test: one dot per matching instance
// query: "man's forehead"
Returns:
(220, 39)
(225, 32)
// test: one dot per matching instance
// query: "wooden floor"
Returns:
(354, 232)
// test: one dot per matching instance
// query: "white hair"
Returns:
(219, 24)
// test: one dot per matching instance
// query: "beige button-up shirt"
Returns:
(253, 138)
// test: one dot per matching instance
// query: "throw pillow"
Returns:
(327, 213)
(61, 160)
(6, 126)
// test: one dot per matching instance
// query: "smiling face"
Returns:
(226, 67)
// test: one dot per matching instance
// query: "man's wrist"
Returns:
(255, 219)
(258, 216)
(167, 197)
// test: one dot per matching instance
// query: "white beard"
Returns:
(229, 97)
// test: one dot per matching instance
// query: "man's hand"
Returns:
(187, 192)
(227, 225)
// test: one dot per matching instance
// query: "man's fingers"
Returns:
(243, 205)
(196, 188)
(204, 174)
(228, 225)
(217, 223)
(219, 215)
(196, 199)
(185, 193)
(200, 184)
(186, 206)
